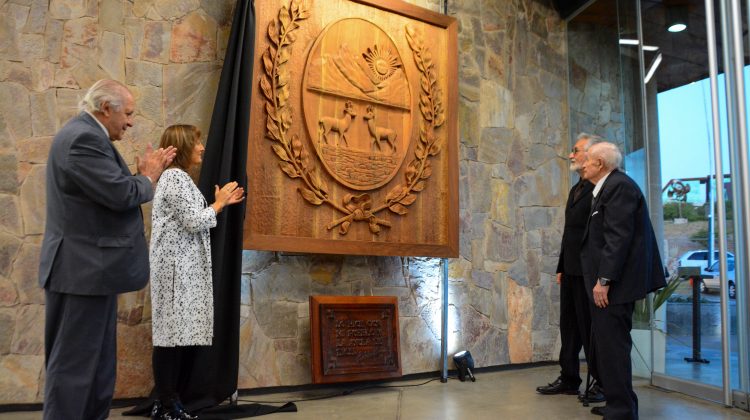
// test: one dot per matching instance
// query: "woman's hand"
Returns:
(227, 195)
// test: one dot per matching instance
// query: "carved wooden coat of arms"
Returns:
(353, 143)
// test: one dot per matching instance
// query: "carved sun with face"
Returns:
(382, 62)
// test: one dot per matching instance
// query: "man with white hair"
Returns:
(621, 264)
(94, 247)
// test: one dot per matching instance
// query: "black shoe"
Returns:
(593, 395)
(177, 412)
(156, 410)
(558, 387)
(599, 411)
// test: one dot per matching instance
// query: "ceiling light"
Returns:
(677, 18)
(628, 41)
(652, 68)
(677, 27)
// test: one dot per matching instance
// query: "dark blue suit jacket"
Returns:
(576, 216)
(94, 242)
(619, 242)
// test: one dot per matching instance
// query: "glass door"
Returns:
(640, 77)
(697, 334)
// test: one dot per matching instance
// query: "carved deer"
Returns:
(379, 134)
(339, 125)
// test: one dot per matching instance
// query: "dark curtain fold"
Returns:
(213, 372)
(209, 373)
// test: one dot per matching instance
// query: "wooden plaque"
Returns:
(353, 143)
(354, 338)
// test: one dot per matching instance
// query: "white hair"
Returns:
(104, 91)
(608, 152)
(591, 139)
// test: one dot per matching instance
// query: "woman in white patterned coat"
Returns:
(180, 258)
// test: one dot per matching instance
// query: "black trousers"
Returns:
(80, 345)
(575, 329)
(612, 345)
(167, 363)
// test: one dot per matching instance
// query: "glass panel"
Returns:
(686, 346)
(647, 90)
(606, 99)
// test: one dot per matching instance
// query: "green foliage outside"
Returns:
(673, 210)
(641, 315)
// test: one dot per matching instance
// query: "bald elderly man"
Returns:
(621, 264)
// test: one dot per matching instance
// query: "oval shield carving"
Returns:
(357, 103)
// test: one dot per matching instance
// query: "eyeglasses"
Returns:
(576, 150)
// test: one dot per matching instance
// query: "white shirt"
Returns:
(106, 133)
(598, 186)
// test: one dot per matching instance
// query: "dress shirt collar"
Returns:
(599, 184)
(106, 133)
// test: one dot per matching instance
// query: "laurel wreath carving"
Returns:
(295, 160)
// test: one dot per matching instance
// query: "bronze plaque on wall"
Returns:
(354, 338)
(354, 127)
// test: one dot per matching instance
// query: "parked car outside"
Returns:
(699, 258)
(712, 283)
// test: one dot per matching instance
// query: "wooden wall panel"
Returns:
(353, 143)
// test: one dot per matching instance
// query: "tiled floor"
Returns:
(495, 395)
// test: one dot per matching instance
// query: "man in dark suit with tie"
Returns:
(94, 248)
(575, 311)
(621, 264)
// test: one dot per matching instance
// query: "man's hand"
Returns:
(153, 162)
(559, 278)
(600, 295)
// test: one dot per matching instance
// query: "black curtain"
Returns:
(213, 372)
(209, 373)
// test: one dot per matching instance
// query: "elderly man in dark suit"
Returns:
(94, 248)
(575, 311)
(621, 264)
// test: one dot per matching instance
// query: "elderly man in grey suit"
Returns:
(94, 248)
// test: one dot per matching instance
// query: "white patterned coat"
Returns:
(180, 258)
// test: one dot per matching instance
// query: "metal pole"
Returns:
(444, 324)
(444, 301)
(711, 214)
(741, 185)
(719, 191)
(646, 143)
(697, 358)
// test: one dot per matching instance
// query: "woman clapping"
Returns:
(180, 258)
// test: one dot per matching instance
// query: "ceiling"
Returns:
(684, 54)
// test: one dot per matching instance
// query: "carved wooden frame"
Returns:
(279, 160)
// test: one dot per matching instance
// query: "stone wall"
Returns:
(597, 97)
(513, 184)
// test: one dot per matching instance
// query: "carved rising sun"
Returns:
(382, 62)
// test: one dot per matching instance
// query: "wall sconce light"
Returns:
(464, 364)
(677, 18)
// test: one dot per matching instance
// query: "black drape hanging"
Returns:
(213, 374)
(209, 374)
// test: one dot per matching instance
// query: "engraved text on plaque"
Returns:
(354, 338)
